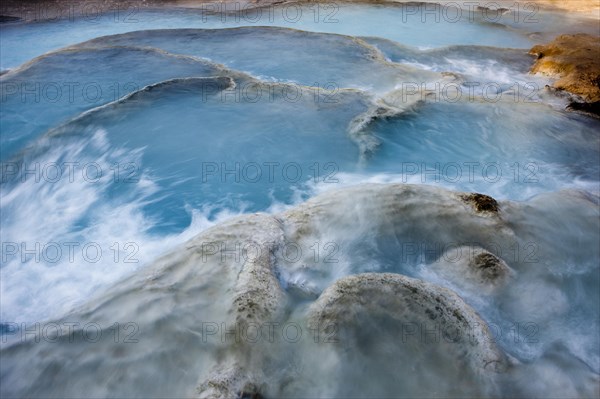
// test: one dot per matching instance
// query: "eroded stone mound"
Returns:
(472, 268)
(257, 299)
(488, 266)
(399, 302)
(394, 208)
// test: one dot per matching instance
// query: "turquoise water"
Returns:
(135, 136)
(407, 25)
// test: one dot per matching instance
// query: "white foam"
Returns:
(37, 213)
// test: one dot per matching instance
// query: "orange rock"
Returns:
(575, 61)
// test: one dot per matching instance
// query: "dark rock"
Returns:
(473, 269)
(481, 202)
(250, 391)
(592, 109)
(489, 266)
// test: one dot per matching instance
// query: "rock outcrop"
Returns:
(481, 202)
(211, 293)
(395, 208)
(257, 299)
(473, 269)
(574, 60)
(408, 301)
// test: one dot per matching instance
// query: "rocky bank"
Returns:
(574, 60)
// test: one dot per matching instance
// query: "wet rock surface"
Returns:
(481, 202)
(473, 269)
(405, 300)
(377, 320)
(574, 60)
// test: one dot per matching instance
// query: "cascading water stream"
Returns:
(129, 149)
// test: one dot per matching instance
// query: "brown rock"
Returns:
(473, 269)
(575, 61)
(481, 202)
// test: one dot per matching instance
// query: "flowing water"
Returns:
(125, 135)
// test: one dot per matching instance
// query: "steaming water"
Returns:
(144, 133)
